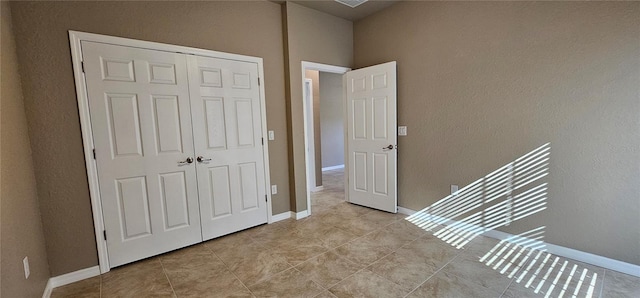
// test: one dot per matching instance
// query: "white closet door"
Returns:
(225, 106)
(141, 122)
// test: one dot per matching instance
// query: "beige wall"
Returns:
(480, 84)
(248, 28)
(331, 119)
(315, 37)
(21, 228)
(314, 76)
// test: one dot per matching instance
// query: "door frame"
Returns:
(306, 65)
(75, 39)
(311, 169)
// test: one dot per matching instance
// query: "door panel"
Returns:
(371, 128)
(225, 105)
(141, 123)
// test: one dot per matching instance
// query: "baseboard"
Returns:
(405, 211)
(48, 290)
(317, 188)
(558, 250)
(333, 168)
(289, 214)
(70, 277)
(281, 216)
(301, 214)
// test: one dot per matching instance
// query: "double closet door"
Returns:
(178, 147)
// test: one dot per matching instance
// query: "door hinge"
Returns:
(82, 65)
(258, 81)
(262, 141)
(265, 198)
(94, 153)
(104, 233)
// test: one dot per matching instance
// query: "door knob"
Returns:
(390, 147)
(202, 159)
(187, 161)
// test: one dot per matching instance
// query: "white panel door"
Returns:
(225, 106)
(371, 136)
(141, 122)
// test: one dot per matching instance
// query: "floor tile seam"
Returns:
(603, 283)
(508, 286)
(228, 267)
(378, 275)
(347, 277)
(265, 278)
(431, 276)
(311, 279)
(475, 283)
(164, 271)
(240, 280)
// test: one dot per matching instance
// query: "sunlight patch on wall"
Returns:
(510, 193)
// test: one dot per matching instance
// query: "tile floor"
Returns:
(342, 250)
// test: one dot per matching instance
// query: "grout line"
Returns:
(604, 274)
(432, 275)
(167, 277)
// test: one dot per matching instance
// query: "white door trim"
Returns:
(310, 135)
(75, 39)
(319, 67)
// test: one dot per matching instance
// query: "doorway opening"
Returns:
(324, 128)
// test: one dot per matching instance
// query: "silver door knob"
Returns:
(187, 161)
(202, 159)
(390, 147)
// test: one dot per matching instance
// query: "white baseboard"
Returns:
(333, 168)
(558, 250)
(289, 214)
(48, 290)
(68, 278)
(301, 214)
(281, 216)
(317, 188)
(405, 211)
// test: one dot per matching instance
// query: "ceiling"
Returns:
(340, 10)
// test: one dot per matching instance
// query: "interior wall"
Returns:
(248, 28)
(315, 37)
(331, 119)
(314, 76)
(480, 84)
(21, 227)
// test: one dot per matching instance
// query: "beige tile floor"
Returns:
(342, 250)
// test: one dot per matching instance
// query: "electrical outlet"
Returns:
(27, 272)
(272, 135)
(454, 188)
(274, 189)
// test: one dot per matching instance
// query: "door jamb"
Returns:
(75, 39)
(311, 168)
(324, 68)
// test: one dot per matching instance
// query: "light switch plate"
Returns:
(274, 189)
(454, 188)
(402, 130)
(272, 135)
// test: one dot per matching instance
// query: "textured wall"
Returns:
(480, 84)
(315, 37)
(331, 119)
(21, 230)
(248, 28)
